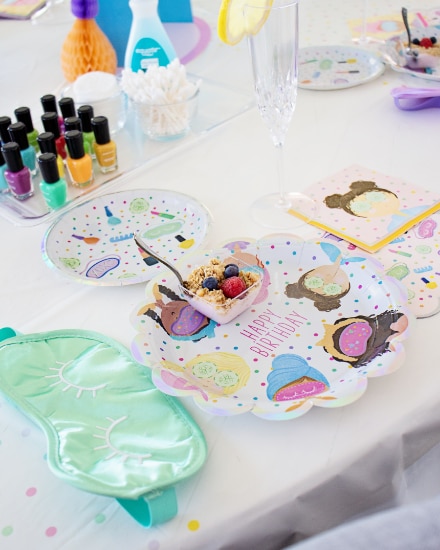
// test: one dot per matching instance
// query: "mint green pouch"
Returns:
(109, 430)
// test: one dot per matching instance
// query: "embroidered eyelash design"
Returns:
(126, 455)
(63, 380)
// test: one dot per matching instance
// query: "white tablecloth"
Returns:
(265, 484)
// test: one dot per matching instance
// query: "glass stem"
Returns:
(363, 38)
(279, 152)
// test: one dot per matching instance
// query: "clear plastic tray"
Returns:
(217, 105)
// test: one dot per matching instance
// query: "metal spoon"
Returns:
(153, 254)
(409, 50)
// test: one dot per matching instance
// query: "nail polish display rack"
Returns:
(218, 104)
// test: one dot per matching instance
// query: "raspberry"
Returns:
(426, 43)
(233, 286)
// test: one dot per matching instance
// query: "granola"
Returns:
(215, 268)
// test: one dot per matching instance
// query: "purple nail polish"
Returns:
(17, 175)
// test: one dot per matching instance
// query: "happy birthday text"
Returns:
(269, 330)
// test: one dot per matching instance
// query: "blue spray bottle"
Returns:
(148, 42)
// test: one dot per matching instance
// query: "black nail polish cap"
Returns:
(50, 123)
(49, 167)
(75, 144)
(18, 133)
(72, 123)
(11, 152)
(67, 106)
(23, 114)
(46, 142)
(49, 103)
(85, 113)
(5, 122)
(101, 129)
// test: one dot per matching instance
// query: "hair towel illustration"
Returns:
(177, 317)
(216, 374)
(326, 284)
(358, 340)
(292, 378)
(366, 200)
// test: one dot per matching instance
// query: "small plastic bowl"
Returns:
(101, 91)
(166, 122)
(222, 313)
(425, 58)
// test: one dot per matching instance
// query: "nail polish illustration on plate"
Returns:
(112, 220)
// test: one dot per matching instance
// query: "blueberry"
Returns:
(433, 39)
(231, 270)
(211, 283)
(416, 42)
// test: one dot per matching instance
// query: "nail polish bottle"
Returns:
(18, 133)
(105, 148)
(3, 183)
(46, 142)
(49, 104)
(184, 243)
(67, 107)
(17, 174)
(53, 187)
(5, 122)
(85, 113)
(23, 114)
(50, 124)
(74, 123)
(79, 163)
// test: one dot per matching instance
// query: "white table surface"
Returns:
(265, 484)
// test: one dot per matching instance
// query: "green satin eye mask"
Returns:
(109, 430)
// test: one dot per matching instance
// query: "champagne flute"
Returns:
(273, 47)
(364, 39)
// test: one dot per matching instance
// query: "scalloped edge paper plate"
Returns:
(295, 347)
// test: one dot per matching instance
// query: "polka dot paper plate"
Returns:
(412, 258)
(93, 243)
(321, 324)
(336, 67)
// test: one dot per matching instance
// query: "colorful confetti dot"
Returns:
(193, 525)
(100, 518)
(51, 531)
(8, 530)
